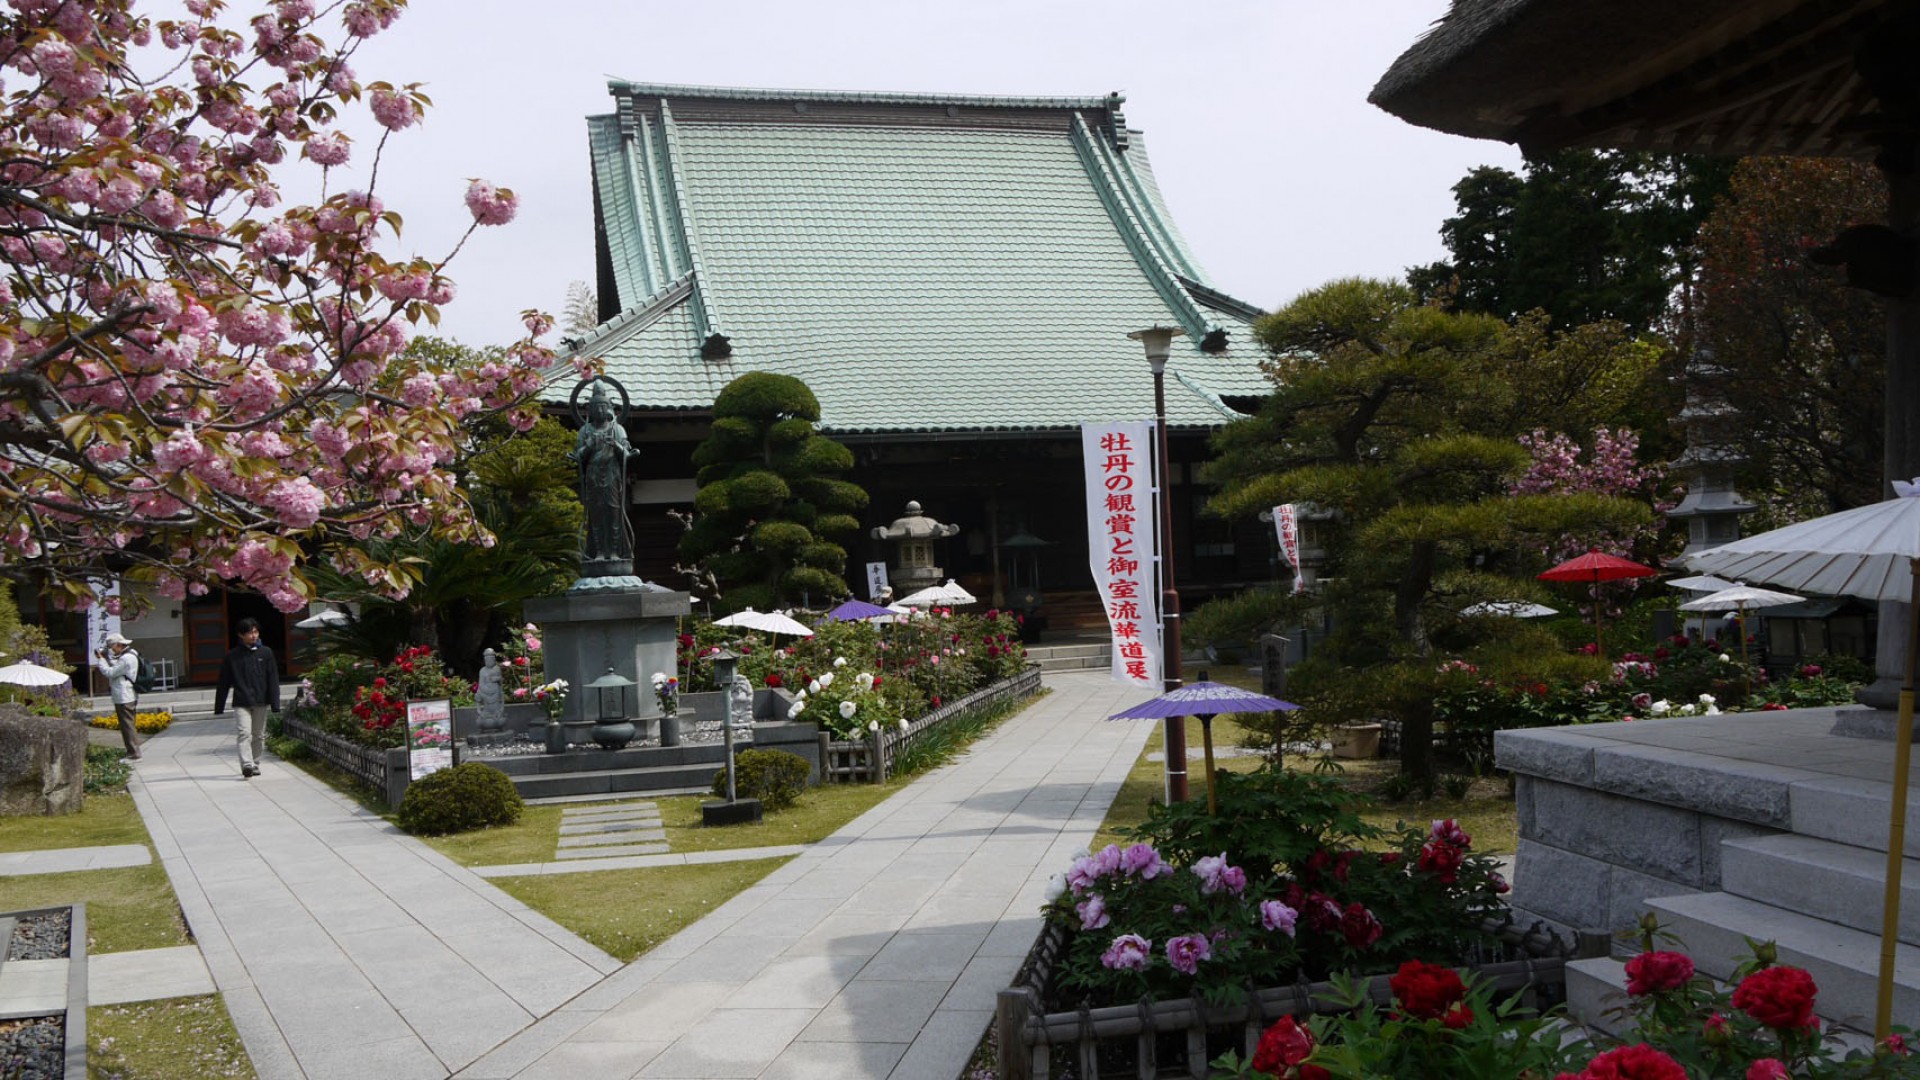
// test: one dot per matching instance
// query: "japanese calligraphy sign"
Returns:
(1122, 539)
(1286, 523)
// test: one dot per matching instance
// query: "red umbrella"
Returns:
(1595, 567)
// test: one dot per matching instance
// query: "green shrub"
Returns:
(106, 769)
(775, 777)
(467, 796)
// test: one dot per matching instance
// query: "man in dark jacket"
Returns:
(252, 676)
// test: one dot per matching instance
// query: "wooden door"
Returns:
(206, 619)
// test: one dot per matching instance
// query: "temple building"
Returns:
(953, 277)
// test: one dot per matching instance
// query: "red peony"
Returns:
(1779, 997)
(1282, 1046)
(1441, 860)
(1653, 972)
(1458, 1017)
(1768, 1069)
(1426, 991)
(1359, 926)
(1636, 1062)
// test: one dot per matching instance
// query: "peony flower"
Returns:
(1768, 1069)
(1275, 915)
(1779, 997)
(847, 709)
(1129, 952)
(839, 661)
(872, 725)
(1093, 913)
(1636, 1062)
(1359, 926)
(1186, 951)
(1653, 972)
(1142, 861)
(1427, 991)
(1056, 888)
(1282, 1046)
(827, 679)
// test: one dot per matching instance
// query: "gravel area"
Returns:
(34, 1049)
(40, 937)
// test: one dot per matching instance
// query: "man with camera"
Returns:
(121, 666)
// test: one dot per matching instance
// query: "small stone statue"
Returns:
(740, 706)
(488, 698)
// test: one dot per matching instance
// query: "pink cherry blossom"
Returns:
(491, 205)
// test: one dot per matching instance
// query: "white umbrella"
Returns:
(1740, 597)
(28, 673)
(771, 622)
(1872, 552)
(948, 595)
(1512, 609)
(326, 617)
(1702, 583)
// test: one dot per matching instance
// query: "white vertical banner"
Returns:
(1287, 523)
(100, 621)
(1122, 538)
(876, 580)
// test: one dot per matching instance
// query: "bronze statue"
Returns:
(601, 451)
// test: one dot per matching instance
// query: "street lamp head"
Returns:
(1158, 341)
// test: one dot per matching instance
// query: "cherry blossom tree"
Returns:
(200, 384)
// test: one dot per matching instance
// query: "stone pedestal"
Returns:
(737, 812)
(630, 628)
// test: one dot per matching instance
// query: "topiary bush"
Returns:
(775, 777)
(467, 796)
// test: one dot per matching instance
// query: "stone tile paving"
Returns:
(875, 953)
(343, 947)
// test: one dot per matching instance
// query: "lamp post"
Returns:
(735, 810)
(1158, 341)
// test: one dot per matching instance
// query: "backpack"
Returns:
(143, 677)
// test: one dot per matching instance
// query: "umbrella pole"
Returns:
(1206, 739)
(1599, 650)
(1897, 817)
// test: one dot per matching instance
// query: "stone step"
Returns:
(1852, 812)
(660, 780)
(1077, 663)
(1596, 994)
(1837, 882)
(1845, 963)
(1042, 653)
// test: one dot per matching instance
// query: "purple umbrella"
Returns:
(1205, 700)
(855, 610)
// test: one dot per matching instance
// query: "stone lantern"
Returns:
(915, 532)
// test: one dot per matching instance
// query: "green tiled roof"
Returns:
(924, 263)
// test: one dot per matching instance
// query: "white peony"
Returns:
(813, 687)
(865, 680)
(839, 661)
(904, 726)
(796, 709)
(1708, 699)
(1661, 707)
(1725, 659)
(847, 709)
(873, 725)
(827, 679)
(1056, 887)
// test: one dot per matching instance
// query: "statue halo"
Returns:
(573, 401)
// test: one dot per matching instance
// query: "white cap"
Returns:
(118, 639)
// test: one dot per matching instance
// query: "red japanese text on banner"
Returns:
(1122, 538)
(1287, 523)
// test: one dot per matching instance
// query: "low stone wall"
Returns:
(1606, 825)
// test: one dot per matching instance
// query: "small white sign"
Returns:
(876, 580)
(429, 737)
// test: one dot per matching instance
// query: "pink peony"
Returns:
(1186, 951)
(1275, 915)
(1129, 952)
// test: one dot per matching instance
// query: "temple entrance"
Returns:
(209, 632)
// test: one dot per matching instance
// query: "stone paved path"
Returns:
(343, 947)
(876, 953)
(346, 949)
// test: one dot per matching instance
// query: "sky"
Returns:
(1277, 170)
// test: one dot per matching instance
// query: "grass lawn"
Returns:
(176, 1039)
(605, 907)
(818, 814)
(1486, 811)
(127, 908)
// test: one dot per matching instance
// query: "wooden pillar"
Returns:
(1901, 454)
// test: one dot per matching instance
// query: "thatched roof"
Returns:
(1708, 76)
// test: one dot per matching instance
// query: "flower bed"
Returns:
(1179, 1037)
(151, 722)
(872, 760)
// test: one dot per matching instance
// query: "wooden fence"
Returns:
(872, 760)
(1178, 1038)
(361, 762)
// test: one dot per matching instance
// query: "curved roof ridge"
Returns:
(706, 314)
(1151, 215)
(860, 97)
(1144, 245)
(629, 322)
